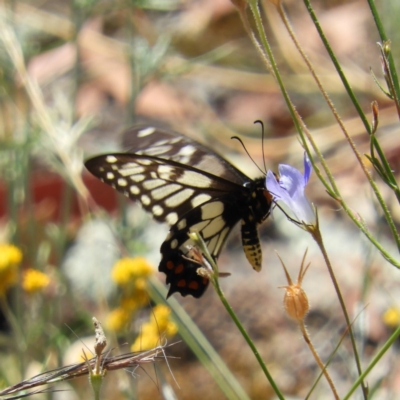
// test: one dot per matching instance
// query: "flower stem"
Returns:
(215, 282)
(358, 156)
(317, 358)
(247, 338)
(316, 234)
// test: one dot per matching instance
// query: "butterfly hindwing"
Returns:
(213, 221)
(183, 183)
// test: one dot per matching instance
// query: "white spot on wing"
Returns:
(131, 170)
(211, 164)
(153, 183)
(174, 244)
(172, 218)
(155, 150)
(122, 182)
(164, 191)
(196, 179)
(110, 175)
(179, 198)
(213, 228)
(212, 244)
(165, 169)
(146, 131)
(145, 199)
(182, 224)
(187, 150)
(200, 199)
(134, 190)
(157, 210)
(111, 159)
(221, 239)
(137, 178)
(199, 226)
(144, 161)
(212, 210)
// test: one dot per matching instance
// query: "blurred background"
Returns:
(74, 75)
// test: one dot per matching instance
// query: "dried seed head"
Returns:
(295, 300)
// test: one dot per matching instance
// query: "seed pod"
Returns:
(296, 302)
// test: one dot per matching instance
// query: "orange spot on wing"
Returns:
(193, 285)
(179, 269)
(170, 265)
(181, 283)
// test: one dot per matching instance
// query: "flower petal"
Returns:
(307, 168)
(290, 190)
(291, 179)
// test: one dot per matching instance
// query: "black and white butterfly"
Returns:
(190, 187)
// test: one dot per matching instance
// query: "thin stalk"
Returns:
(246, 336)
(213, 275)
(374, 361)
(392, 67)
(342, 127)
(338, 67)
(199, 344)
(316, 234)
(303, 132)
(317, 358)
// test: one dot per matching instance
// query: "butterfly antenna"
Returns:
(251, 158)
(262, 142)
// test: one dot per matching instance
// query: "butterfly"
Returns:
(192, 188)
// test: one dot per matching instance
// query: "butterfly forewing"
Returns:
(165, 188)
(173, 146)
(191, 188)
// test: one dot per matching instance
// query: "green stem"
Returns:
(373, 185)
(384, 38)
(247, 338)
(213, 276)
(199, 344)
(316, 234)
(337, 66)
(373, 363)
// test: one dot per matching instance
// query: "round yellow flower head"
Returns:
(10, 257)
(34, 280)
(118, 319)
(127, 269)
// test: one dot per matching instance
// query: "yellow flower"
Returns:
(391, 317)
(10, 257)
(34, 280)
(155, 329)
(140, 284)
(127, 269)
(147, 340)
(118, 319)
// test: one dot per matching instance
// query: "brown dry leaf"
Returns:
(48, 66)
(104, 60)
(160, 100)
(90, 99)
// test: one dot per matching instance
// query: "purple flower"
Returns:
(290, 190)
